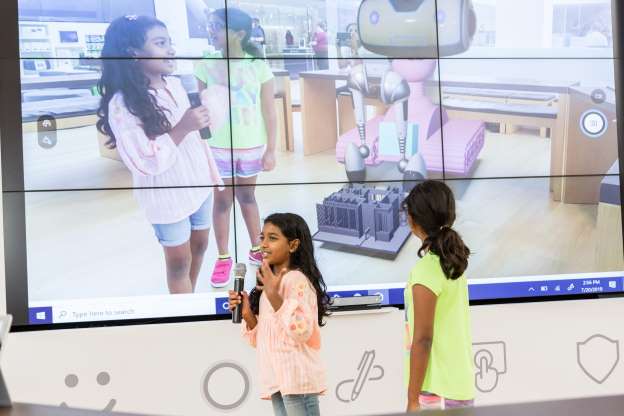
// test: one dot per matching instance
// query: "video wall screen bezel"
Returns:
(13, 183)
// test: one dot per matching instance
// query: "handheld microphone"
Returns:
(190, 85)
(239, 284)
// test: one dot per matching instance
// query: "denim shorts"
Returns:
(296, 404)
(178, 233)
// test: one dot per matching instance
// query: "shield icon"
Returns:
(598, 356)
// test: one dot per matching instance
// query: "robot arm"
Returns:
(395, 91)
(357, 82)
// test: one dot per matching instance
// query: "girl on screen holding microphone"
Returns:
(439, 344)
(244, 147)
(147, 116)
(282, 317)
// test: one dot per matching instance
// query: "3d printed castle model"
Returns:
(362, 218)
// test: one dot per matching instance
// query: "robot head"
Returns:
(407, 28)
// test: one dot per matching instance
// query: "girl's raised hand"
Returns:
(270, 280)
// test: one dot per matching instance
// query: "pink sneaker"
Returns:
(221, 273)
(255, 257)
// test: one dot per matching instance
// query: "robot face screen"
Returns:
(407, 28)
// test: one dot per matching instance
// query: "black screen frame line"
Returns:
(13, 184)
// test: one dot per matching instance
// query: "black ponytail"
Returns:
(431, 206)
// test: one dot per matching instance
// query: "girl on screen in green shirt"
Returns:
(246, 146)
(439, 371)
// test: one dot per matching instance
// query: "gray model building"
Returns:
(362, 218)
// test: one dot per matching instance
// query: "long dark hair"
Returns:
(237, 20)
(295, 228)
(121, 72)
(431, 205)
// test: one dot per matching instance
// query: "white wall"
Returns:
(158, 369)
(512, 23)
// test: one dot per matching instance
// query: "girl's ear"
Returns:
(294, 245)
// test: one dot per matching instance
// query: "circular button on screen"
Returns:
(598, 96)
(593, 123)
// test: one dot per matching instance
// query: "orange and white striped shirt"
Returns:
(288, 341)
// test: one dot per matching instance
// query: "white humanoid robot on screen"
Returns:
(412, 34)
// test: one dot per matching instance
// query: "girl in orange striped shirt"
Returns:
(283, 316)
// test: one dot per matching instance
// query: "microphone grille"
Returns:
(240, 269)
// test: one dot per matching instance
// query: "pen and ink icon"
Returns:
(367, 371)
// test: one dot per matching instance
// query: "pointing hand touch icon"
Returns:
(490, 360)
(349, 390)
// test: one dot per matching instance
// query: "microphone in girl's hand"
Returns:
(239, 284)
(190, 85)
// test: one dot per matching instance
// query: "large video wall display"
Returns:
(144, 143)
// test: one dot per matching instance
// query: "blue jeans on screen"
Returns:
(295, 404)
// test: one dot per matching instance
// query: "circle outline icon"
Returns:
(206, 381)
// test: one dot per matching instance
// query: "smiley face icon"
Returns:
(103, 379)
